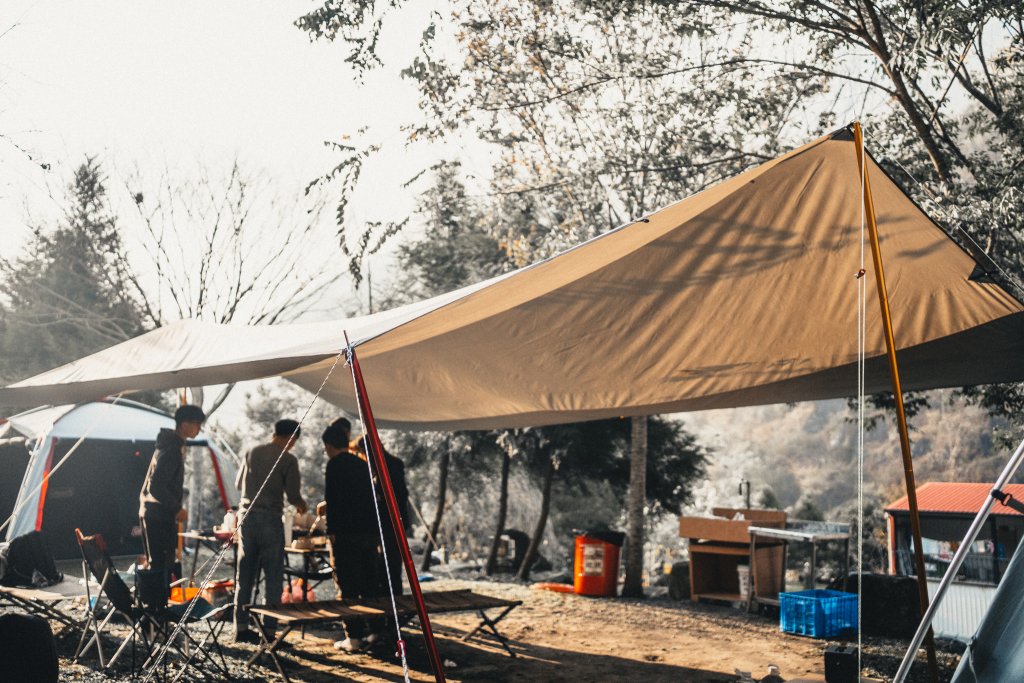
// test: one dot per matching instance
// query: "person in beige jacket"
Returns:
(269, 474)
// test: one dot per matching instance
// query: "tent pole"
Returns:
(377, 451)
(958, 560)
(897, 390)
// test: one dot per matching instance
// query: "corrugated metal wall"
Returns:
(961, 610)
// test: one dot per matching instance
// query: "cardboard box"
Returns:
(724, 529)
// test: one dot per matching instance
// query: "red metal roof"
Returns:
(957, 498)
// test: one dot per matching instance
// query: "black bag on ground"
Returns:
(27, 651)
(30, 563)
(889, 605)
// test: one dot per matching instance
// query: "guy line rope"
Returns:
(238, 530)
(952, 224)
(861, 354)
(380, 527)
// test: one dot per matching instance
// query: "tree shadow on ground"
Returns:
(476, 661)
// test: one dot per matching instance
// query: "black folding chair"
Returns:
(119, 602)
(152, 626)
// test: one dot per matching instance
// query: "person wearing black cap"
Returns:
(269, 473)
(352, 525)
(160, 501)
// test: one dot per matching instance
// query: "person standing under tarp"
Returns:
(160, 501)
(269, 473)
(389, 560)
(352, 525)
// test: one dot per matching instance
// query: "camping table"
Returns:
(802, 532)
(309, 556)
(437, 602)
(300, 615)
(209, 541)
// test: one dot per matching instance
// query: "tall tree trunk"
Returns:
(492, 557)
(637, 499)
(442, 494)
(542, 522)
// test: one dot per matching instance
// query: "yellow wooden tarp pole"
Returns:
(897, 390)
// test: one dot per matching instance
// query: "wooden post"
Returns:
(897, 389)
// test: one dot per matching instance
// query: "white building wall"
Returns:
(962, 609)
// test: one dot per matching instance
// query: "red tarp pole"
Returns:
(396, 520)
(220, 480)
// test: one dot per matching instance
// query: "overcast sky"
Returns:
(180, 83)
(148, 83)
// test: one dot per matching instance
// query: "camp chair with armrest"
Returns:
(120, 601)
(153, 626)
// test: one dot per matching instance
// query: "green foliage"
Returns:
(68, 296)
(585, 453)
(457, 248)
(879, 407)
(345, 178)
(807, 510)
(599, 115)
(768, 500)
(1001, 400)
(356, 24)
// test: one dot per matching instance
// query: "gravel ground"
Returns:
(560, 637)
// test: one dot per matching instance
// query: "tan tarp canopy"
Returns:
(743, 294)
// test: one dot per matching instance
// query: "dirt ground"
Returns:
(563, 637)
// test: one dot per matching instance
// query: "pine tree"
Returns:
(68, 295)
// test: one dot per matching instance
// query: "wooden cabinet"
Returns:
(718, 545)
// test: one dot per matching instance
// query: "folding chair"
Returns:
(151, 626)
(120, 601)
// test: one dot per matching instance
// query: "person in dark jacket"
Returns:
(160, 501)
(389, 560)
(352, 524)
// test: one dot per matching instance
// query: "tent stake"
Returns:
(897, 389)
(377, 450)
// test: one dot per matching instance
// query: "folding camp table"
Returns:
(48, 604)
(201, 540)
(300, 614)
(316, 567)
(801, 531)
(316, 613)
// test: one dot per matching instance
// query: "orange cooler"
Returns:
(596, 569)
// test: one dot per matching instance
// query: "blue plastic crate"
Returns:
(818, 613)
